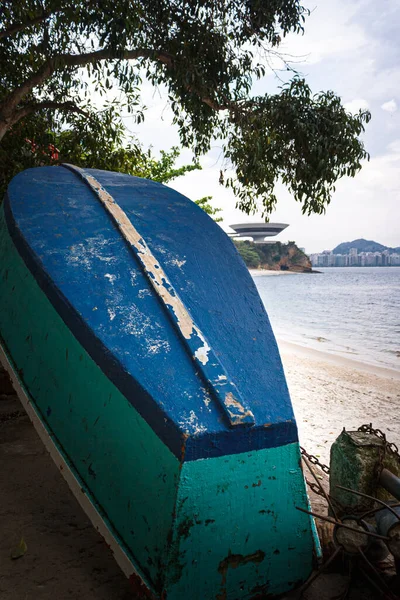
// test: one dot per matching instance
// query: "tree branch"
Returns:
(31, 108)
(10, 114)
(9, 104)
(15, 27)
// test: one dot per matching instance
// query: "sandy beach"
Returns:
(263, 272)
(330, 392)
(65, 556)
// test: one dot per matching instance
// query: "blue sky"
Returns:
(353, 48)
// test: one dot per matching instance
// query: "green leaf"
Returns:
(19, 550)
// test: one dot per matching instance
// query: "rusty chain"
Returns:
(314, 460)
(314, 487)
(392, 448)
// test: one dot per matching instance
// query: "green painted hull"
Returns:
(222, 528)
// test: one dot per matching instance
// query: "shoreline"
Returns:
(269, 272)
(337, 359)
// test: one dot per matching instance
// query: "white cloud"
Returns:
(394, 147)
(390, 106)
(330, 30)
(355, 105)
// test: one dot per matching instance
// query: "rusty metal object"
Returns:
(355, 539)
(382, 504)
(394, 543)
(319, 485)
(390, 482)
(380, 585)
(341, 524)
(352, 540)
(388, 524)
(319, 572)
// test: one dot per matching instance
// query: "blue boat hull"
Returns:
(200, 504)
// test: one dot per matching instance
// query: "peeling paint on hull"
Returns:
(198, 347)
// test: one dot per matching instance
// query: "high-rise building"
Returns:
(353, 257)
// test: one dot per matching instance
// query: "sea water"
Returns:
(349, 311)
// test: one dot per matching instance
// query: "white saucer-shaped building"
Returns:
(257, 231)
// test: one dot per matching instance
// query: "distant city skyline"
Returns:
(355, 259)
(350, 47)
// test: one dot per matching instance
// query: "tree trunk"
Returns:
(3, 128)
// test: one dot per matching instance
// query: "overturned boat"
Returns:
(140, 348)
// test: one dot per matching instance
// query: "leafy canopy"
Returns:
(205, 204)
(54, 54)
(34, 144)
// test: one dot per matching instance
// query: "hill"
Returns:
(362, 246)
(276, 257)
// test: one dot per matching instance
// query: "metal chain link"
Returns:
(314, 460)
(392, 448)
(314, 487)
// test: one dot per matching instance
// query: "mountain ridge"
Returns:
(363, 245)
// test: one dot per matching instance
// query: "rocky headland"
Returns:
(274, 257)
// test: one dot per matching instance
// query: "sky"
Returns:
(353, 48)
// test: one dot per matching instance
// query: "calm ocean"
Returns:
(350, 311)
